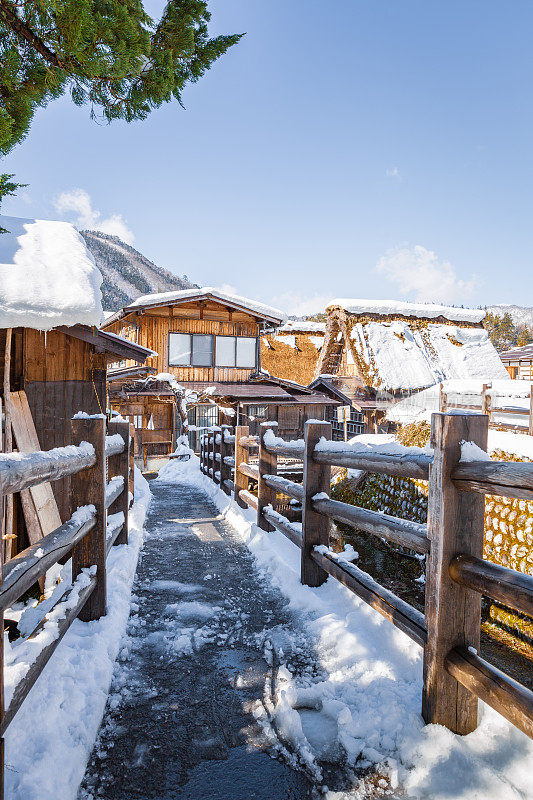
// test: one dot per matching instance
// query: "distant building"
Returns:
(519, 362)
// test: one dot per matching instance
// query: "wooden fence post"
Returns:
(2, 707)
(268, 465)
(131, 474)
(531, 410)
(202, 453)
(119, 464)
(453, 613)
(216, 452)
(88, 488)
(315, 527)
(241, 481)
(225, 470)
(486, 400)
(442, 398)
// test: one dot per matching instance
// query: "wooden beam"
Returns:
(453, 612)
(268, 464)
(315, 526)
(241, 454)
(88, 487)
(119, 465)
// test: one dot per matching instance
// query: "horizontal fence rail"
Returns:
(451, 542)
(101, 492)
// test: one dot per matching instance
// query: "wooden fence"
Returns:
(488, 407)
(454, 675)
(102, 488)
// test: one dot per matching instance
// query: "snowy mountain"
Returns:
(127, 273)
(521, 315)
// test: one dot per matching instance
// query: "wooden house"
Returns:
(56, 357)
(209, 342)
(380, 351)
(519, 362)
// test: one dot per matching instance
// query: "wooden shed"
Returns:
(518, 361)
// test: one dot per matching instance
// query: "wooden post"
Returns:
(486, 400)
(268, 465)
(225, 450)
(2, 707)
(216, 451)
(241, 481)
(453, 613)
(442, 398)
(9, 533)
(131, 474)
(119, 464)
(88, 488)
(315, 527)
(201, 452)
(531, 410)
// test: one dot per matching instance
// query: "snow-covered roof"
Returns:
(47, 276)
(302, 326)
(399, 308)
(400, 357)
(258, 309)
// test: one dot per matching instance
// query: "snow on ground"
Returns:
(52, 735)
(369, 701)
(47, 276)
(504, 394)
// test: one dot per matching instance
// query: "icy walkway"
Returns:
(179, 722)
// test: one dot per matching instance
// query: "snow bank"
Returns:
(397, 307)
(47, 276)
(302, 326)
(51, 737)
(504, 393)
(367, 694)
(186, 294)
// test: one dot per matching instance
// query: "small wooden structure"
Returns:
(519, 362)
(209, 342)
(292, 350)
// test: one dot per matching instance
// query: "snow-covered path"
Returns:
(179, 721)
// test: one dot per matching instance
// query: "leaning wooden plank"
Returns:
(40, 495)
(248, 498)
(23, 688)
(21, 572)
(509, 698)
(283, 525)
(393, 608)
(250, 471)
(508, 586)
(285, 486)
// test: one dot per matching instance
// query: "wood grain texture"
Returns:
(316, 479)
(241, 454)
(88, 487)
(514, 589)
(453, 612)
(268, 464)
(119, 465)
(509, 698)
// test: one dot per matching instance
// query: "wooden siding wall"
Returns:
(154, 330)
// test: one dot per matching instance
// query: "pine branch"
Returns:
(23, 31)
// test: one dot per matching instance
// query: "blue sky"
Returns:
(378, 149)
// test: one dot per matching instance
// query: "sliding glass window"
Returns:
(225, 351)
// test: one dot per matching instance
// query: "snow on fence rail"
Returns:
(455, 676)
(87, 536)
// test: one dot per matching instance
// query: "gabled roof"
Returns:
(524, 353)
(48, 277)
(327, 385)
(256, 309)
(398, 308)
(105, 342)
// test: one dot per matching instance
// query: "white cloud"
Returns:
(419, 272)
(301, 305)
(78, 203)
(393, 172)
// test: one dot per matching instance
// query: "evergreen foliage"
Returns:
(108, 53)
(504, 334)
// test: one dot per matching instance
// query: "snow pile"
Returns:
(302, 326)
(419, 310)
(57, 724)
(208, 291)
(47, 276)
(504, 393)
(363, 706)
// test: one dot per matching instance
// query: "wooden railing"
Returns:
(102, 489)
(488, 407)
(454, 675)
